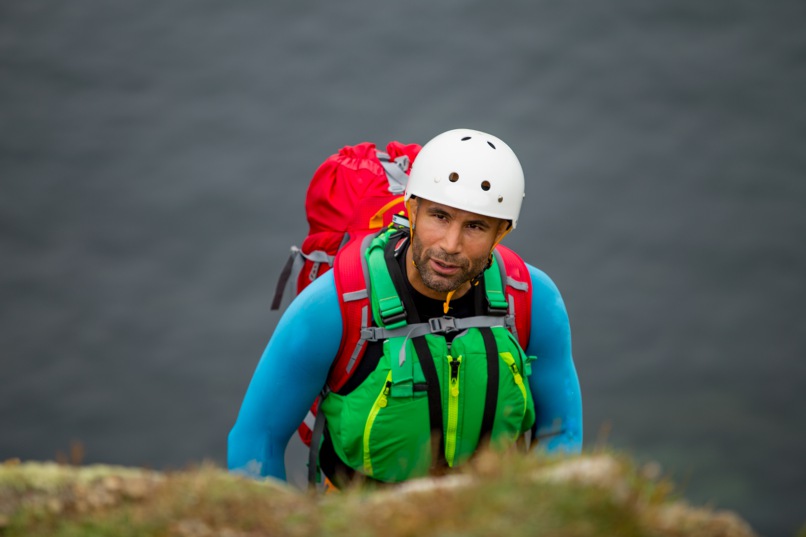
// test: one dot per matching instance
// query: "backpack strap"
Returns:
(494, 288)
(317, 431)
(388, 310)
(491, 392)
(518, 294)
(352, 286)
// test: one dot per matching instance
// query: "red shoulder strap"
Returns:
(352, 288)
(519, 293)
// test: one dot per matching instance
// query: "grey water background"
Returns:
(153, 164)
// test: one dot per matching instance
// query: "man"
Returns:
(443, 374)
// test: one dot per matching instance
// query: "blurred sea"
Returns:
(153, 164)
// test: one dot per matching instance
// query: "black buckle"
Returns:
(442, 324)
(396, 318)
(496, 311)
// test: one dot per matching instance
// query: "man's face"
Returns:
(449, 246)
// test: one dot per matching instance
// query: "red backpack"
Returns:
(354, 192)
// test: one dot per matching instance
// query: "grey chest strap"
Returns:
(437, 325)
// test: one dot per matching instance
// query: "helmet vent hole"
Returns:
(490, 144)
(466, 138)
(453, 177)
(485, 185)
(500, 199)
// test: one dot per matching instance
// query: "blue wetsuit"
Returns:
(296, 362)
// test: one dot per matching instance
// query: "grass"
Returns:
(497, 494)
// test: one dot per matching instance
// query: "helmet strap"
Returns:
(411, 224)
(506, 232)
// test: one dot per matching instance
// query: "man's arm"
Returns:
(554, 382)
(288, 378)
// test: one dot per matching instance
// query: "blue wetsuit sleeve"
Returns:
(287, 379)
(554, 381)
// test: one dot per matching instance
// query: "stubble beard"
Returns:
(469, 268)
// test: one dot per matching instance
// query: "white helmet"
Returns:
(469, 170)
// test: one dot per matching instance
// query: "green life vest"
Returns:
(427, 401)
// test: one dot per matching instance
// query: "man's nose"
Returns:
(452, 240)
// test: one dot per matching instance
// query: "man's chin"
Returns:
(440, 284)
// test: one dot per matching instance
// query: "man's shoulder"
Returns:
(540, 280)
(541, 283)
(321, 290)
(314, 313)
(548, 306)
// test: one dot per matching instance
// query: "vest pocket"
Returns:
(514, 412)
(509, 360)
(384, 437)
(396, 439)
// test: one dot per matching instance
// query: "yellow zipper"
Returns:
(380, 402)
(453, 409)
(513, 367)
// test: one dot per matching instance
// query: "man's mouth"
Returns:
(442, 268)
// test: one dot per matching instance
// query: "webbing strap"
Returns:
(359, 346)
(513, 328)
(355, 295)
(494, 287)
(389, 306)
(318, 256)
(292, 267)
(515, 284)
(395, 171)
(437, 325)
(491, 397)
(316, 442)
(438, 460)
(402, 370)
